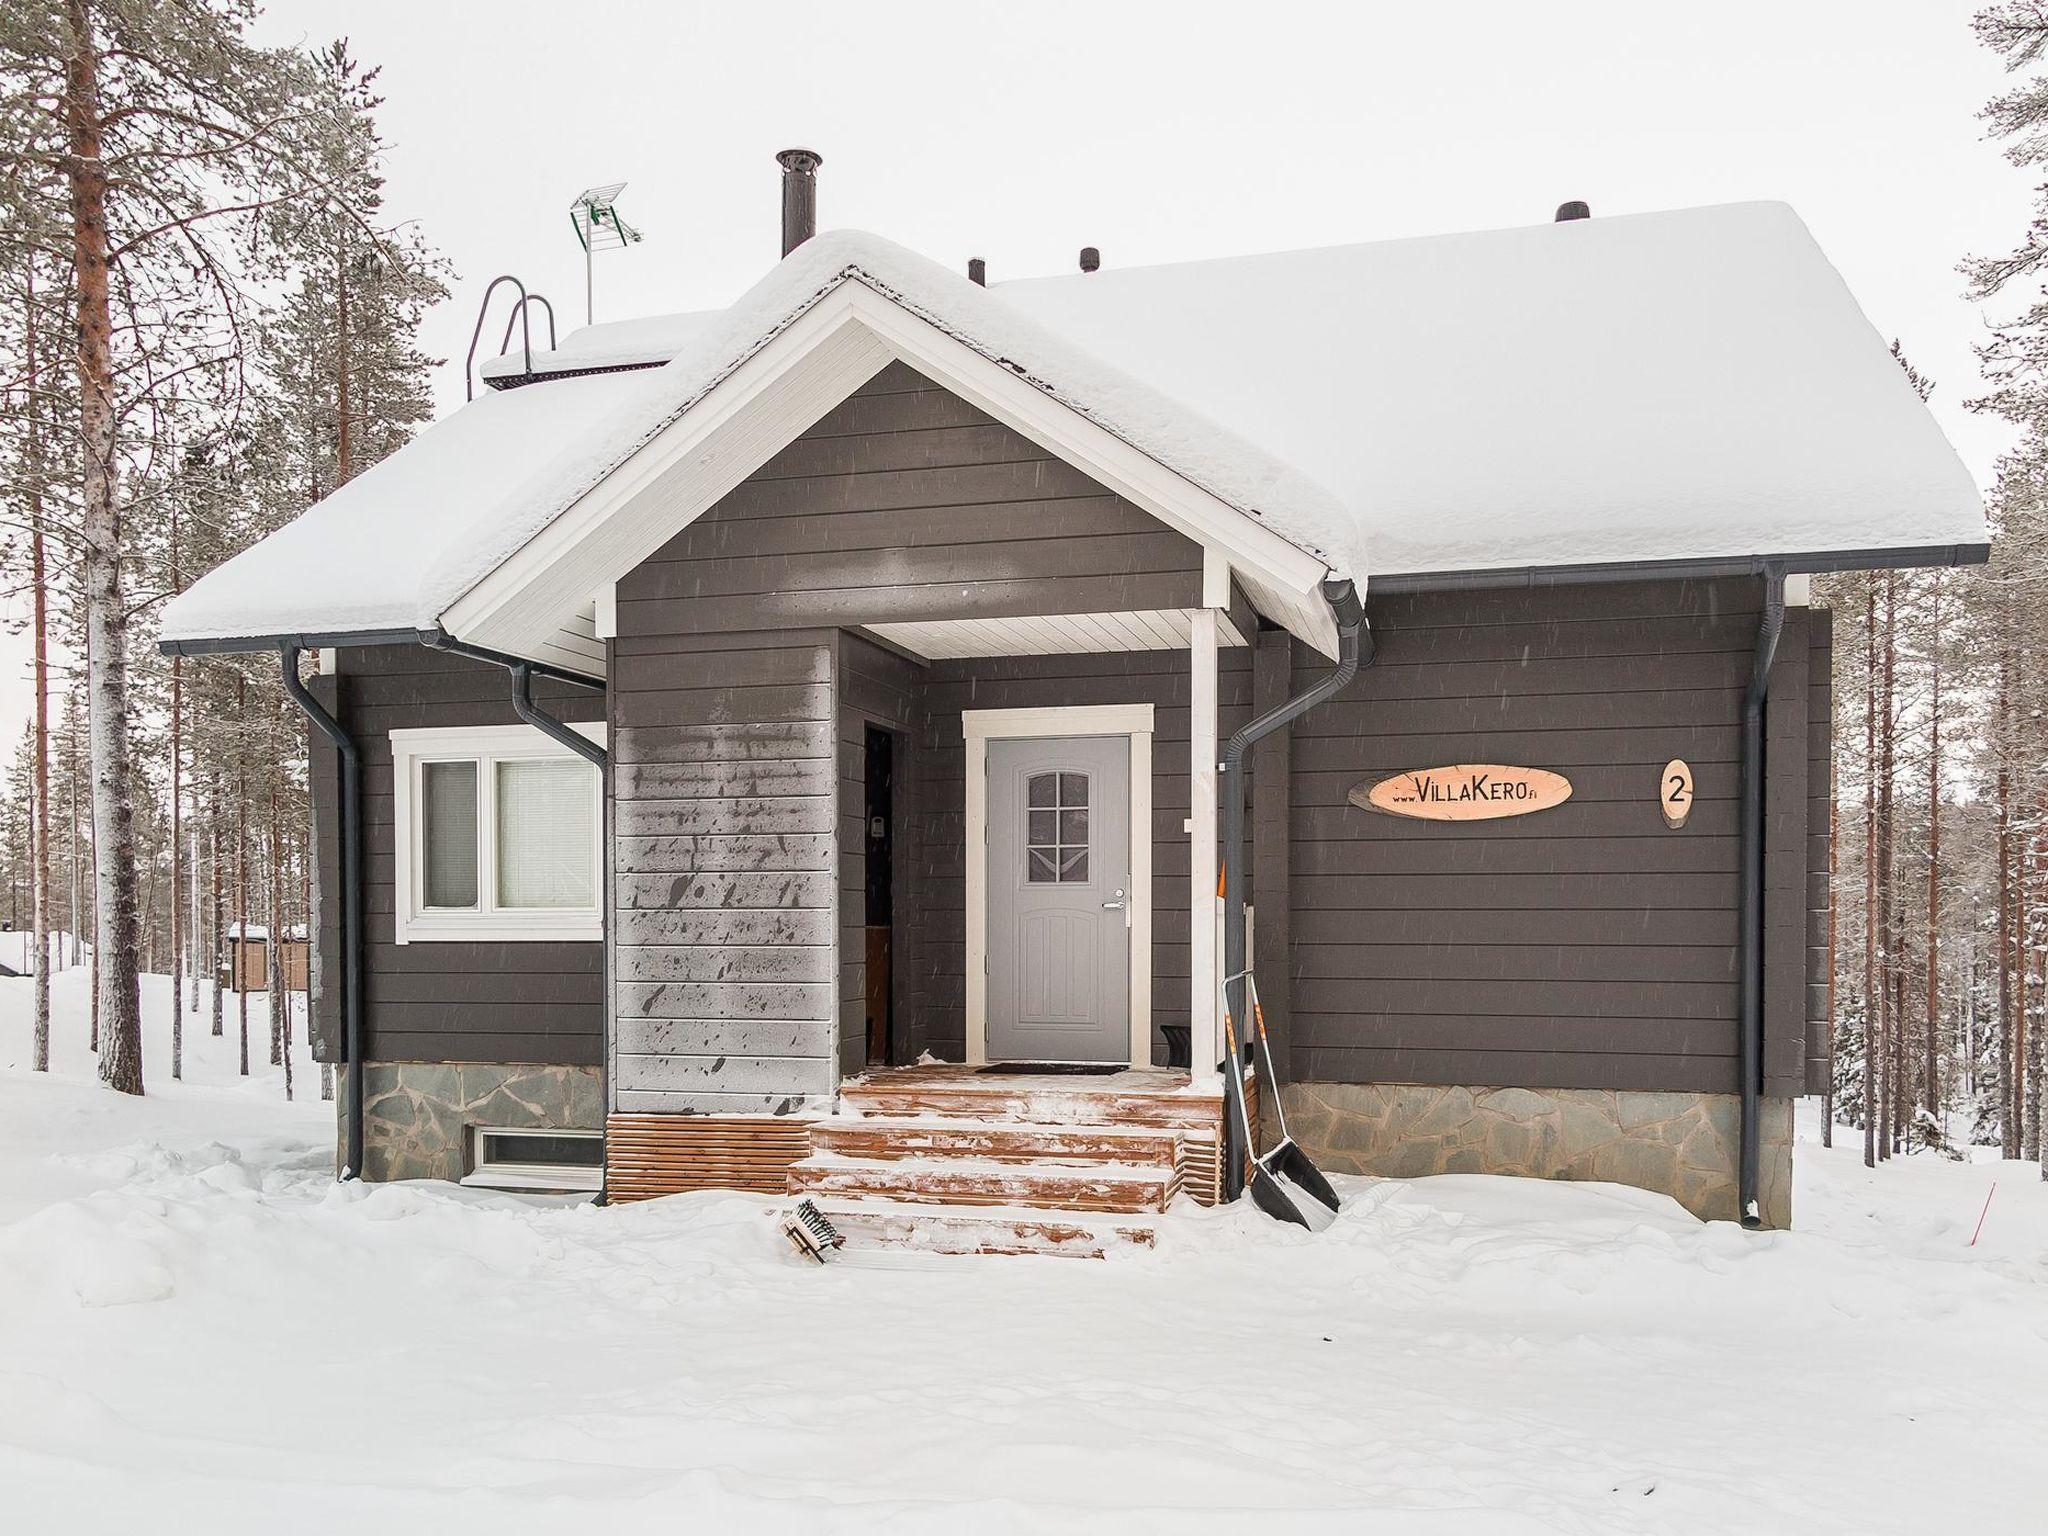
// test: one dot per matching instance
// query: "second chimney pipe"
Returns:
(799, 196)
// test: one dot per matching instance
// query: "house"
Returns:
(245, 966)
(704, 666)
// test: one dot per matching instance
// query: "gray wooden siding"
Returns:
(724, 951)
(905, 502)
(1588, 946)
(497, 1002)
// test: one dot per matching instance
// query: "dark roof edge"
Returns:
(1702, 569)
(549, 375)
(434, 639)
(225, 645)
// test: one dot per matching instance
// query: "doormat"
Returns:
(1053, 1069)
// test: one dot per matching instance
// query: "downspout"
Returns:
(351, 898)
(1354, 650)
(1750, 956)
(523, 673)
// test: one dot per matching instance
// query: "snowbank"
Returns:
(199, 1330)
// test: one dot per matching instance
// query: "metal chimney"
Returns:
(799, 196)
(1573, 210)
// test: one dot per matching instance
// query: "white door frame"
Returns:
(981, 726)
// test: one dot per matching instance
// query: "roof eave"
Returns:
(1703, 568)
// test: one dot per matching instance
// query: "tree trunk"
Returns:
(240, 946)
(177, 839)
(39, 821)
(116, 922)
(1932, 1084)
(1870, 1001)
(1827, 1095)
(2008, 1125)
(1887, 961)
(273, 971)
(344, 434)
(213, 860)
(2030, 1032)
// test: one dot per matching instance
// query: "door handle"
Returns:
(1118, 905)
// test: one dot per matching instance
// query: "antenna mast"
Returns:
(598, 228)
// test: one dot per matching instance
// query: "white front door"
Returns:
(1059, 899)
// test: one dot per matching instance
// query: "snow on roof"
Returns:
(1660, 386)
(364, 558)
(1656, 386)
(612, 344)
(400, 543)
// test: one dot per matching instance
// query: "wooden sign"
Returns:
(1674, 792)
(1465, 792)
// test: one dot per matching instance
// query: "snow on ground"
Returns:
(199, 1330)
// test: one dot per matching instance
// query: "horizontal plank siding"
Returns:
(904, 503)
(527, 1003)
(724, 853)
(1587, 946)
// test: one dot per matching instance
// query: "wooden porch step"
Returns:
(885, 1224)
(1116, 1187)
(1030, 1100)
(1016, 1141)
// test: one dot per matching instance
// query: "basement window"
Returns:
(505, 1157)
(498, 836)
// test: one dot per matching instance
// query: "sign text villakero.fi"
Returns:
(1465, 792)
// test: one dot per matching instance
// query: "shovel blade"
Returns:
(1291, 1163)
(1275, 1201)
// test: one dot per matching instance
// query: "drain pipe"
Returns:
(1751, 946)
(1354, 650)
(351, 898)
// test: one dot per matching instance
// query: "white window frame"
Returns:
(981, 726)
(487, 922)
(565, 1177)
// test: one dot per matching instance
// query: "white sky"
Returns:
(1165, 132)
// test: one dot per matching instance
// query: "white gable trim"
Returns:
(841, 341)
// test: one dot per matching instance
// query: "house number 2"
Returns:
(1674, 792)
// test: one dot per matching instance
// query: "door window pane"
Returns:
(547, 853)
(1056, 829)
(448, 834)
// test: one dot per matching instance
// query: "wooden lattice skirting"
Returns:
(650, 1155)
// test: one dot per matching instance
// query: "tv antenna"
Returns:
(598, 228)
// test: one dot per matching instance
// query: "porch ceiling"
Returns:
(1053, 634)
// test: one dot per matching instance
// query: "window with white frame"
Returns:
(499, 835)
(512, 1157)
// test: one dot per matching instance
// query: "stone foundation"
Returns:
(416, 1114)
(1678, 1144)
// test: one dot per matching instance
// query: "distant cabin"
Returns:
(246, 959)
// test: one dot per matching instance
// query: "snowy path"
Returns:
(200, 1331)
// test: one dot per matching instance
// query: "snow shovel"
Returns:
(1286, 1168)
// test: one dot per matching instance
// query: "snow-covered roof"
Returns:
(609, 344)
(1657, 387)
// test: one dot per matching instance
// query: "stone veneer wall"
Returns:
(1678, 1144)
(415, 1113)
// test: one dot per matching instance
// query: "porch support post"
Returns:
(1205, 1047)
